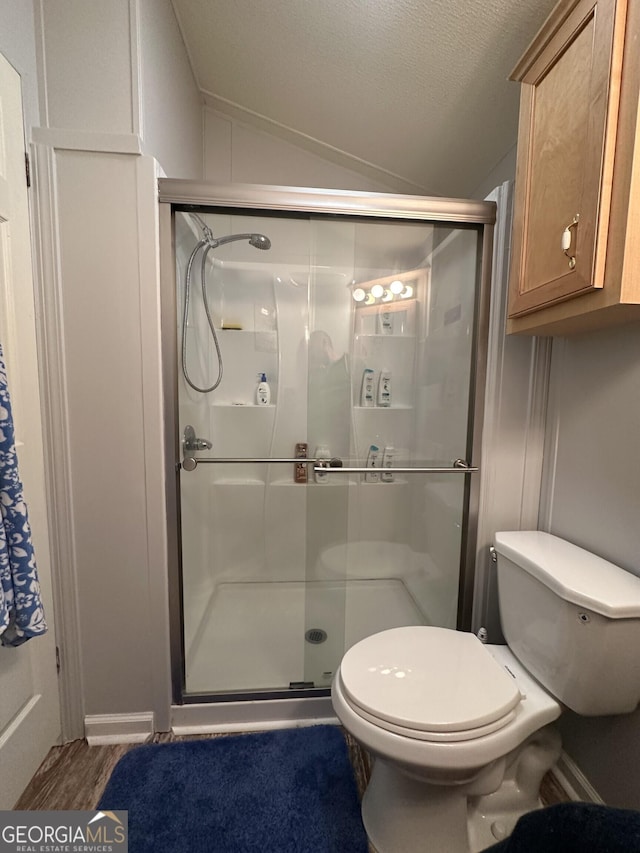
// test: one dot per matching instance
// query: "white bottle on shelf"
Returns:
(263, 392)
(368, 392)
(384, 388)
(322, 453)
(385, 322)
(373, 462)
(388, 456)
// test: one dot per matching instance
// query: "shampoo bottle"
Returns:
(263, 392)
(373, 462)
(322, 456)
(385, 322)
(387, 464)
(368, 394)
(384, 388)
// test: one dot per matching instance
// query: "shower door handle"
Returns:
(191, 442)
(463, 464)
(332, 466)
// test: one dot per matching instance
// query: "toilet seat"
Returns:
(431, 684)
(433, 737)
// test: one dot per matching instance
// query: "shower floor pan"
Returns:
(252, 634)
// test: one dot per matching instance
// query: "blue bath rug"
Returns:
(285, 791)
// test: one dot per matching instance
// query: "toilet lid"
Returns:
(428, 679)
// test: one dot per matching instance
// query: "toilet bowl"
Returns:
(433, 757)
(460, 730)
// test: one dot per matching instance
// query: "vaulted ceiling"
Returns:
(415, 91)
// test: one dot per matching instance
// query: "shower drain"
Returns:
(315, 636)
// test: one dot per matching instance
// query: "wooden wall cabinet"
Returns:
(575, 255)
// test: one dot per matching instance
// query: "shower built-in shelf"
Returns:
(238, 481)
(397, 481)
(335, 480)
(247, 353)
(384, 336)
(393, 408)
(229, 331)
(239, 405)
(267, 337)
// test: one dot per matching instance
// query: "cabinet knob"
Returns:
(567, 239)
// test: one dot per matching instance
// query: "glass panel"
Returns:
(329, 410)
(386, 547)
(243, 525)
(281, 576)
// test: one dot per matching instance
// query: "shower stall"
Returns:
(343, 500)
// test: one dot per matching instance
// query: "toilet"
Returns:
(460, 731)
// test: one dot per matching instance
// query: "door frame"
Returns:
(34, 726)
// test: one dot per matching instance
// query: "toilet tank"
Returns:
(572, 619)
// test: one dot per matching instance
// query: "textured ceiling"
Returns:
(415, 88)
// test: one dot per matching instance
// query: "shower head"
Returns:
(258, 241)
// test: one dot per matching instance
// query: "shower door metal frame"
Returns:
(253, 198)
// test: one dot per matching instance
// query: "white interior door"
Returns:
(29, 703)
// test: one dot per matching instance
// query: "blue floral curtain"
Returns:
(21, 614)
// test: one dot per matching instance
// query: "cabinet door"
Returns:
(569, 100)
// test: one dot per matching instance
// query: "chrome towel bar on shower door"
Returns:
(467, 469)
(190, 463)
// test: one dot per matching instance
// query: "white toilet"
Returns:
(459, 730)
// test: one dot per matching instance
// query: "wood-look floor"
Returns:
(73, 776)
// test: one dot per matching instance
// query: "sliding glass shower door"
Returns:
(334, 505)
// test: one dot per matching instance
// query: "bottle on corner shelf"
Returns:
(367, 393)
(385, 322)
(322, 457)
(373, 462)
(387, 464)
(263, 391)
(384, 388)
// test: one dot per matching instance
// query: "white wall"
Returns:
(115, 77)
(513, 428)
(88, 67)
(592, 474)
(171, 103)
(234, 152)
(504, 170)
(101, 307)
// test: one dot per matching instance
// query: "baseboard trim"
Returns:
(251, 716)
(102, 729)
(573, 782)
